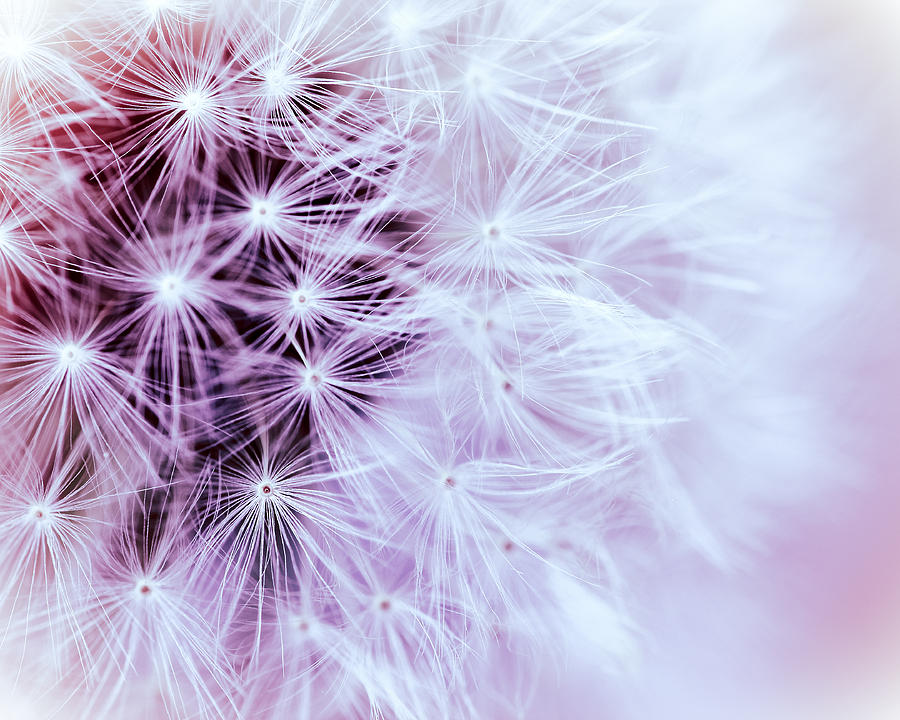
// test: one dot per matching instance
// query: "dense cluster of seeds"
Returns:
(337, 343)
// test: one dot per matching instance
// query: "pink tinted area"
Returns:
(810, 630)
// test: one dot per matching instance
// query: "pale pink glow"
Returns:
(516, 359)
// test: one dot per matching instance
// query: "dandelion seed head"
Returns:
(388, 299)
